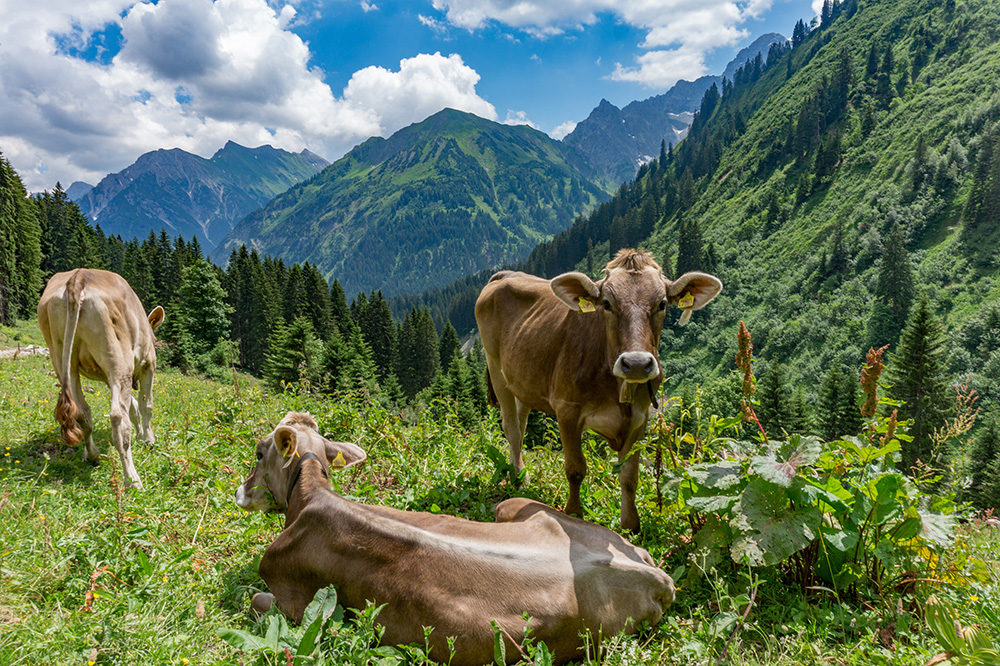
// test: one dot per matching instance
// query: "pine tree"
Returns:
(379, 331)
(449, 345)
(894, 291)
(294, 355)
(838, 408)
(917, 374)
(689, 245)
(983, 205)
(419, 352)
(984, 467)
(203, 303)
(339, 311)
(20, 248)
(775, 397)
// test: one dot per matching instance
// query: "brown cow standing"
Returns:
(95, 326)
(585, 352)
(452, 574)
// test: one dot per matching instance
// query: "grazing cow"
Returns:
(585, 352)
(452, 574)
(95, 326)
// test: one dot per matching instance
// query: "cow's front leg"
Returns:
(141, 410)
(576, 464)
(628, 477)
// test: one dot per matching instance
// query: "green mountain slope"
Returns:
(789, 185)
(440, 199)
(190, 196)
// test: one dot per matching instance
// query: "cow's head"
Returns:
(267, 487)
(632, 299)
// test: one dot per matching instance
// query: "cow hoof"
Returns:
(261, 603)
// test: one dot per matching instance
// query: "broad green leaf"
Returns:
(322, 606)
(712, 503)
(722, 474)
(714, 535)
(887, 505)
(307, 644)
(805, 492)
(770, 531)
(843, 541)
(782, 466)
(241, 640)
(906, 530)
(937, 528)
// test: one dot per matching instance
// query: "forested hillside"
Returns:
(830, 188)
(440, 199)
(189, 195)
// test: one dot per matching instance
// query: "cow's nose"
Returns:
(636, 366)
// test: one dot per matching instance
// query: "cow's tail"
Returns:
(66, 409)
(491, 395)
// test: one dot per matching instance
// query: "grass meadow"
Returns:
(91, 573)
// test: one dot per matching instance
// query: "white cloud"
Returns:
(518, 118)
(238, 74)
(679, 33)
(368, 6)
(562, 130)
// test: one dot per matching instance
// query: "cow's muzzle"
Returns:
(636, 367)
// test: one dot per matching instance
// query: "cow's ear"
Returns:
(342, 455)
(693, 291)
(156, 317)
(284, 440)
(576, 290)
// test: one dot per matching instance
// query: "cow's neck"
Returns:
(308, 478)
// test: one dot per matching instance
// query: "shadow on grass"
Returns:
(41, 452)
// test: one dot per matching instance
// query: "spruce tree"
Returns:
(689, 245)
(203, 303)
(838, 410)
(894, 291)
(449, 345)
(775, 397)
(984, 467)
(20, 248)
(294, 356)
(917, 374)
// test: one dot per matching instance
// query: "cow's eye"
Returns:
(663, 305)
(260, 454)
(607, 305)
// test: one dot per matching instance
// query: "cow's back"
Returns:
(542, 347)
(112, 333)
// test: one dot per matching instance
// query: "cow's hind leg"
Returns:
(141, 409)
(121, 428)
(513, 420)
(85, 420)
(576, 464)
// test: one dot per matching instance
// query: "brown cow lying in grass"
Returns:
(95, 326)
(452, 574)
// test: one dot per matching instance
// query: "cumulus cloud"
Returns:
(518, 118)
(191, 74)
(679, 33)
(562, 130)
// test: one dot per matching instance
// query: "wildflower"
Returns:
(891, 428)
(973, 598)
(869, 380)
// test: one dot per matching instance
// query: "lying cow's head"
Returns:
(633, 298)
(267, 487)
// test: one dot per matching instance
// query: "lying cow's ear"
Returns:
(342, 455)
(156, 317)
(693, 291)
(576, 290)
(284, 439)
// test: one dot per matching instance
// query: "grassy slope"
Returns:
(173, 564)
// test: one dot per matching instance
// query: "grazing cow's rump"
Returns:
(94, 326)
(437, 571)
(585, 352)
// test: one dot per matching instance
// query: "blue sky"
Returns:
(86, 86)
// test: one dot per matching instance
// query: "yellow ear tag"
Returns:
(687, 301)
(339, 460)
(585, 305)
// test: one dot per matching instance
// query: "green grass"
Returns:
(170, 566)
